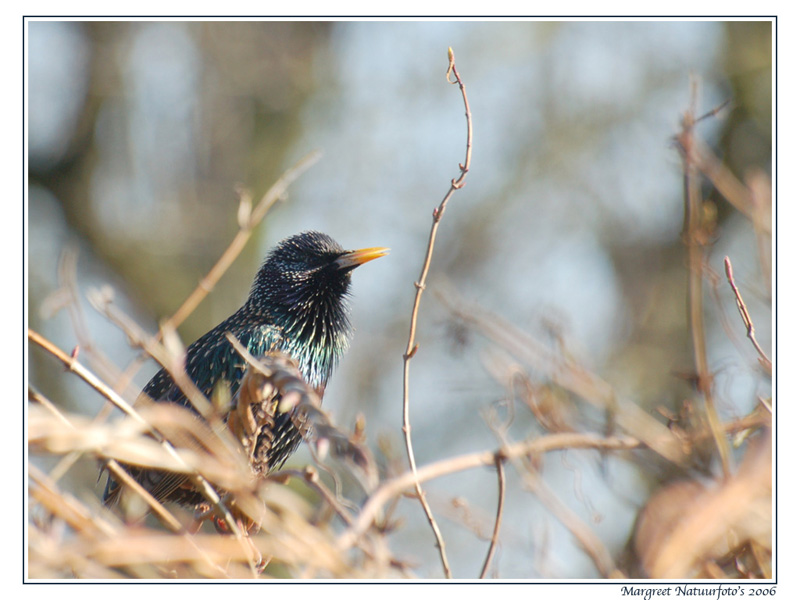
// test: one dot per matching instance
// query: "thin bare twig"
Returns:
(411, 347)
(723, 180)
(248, 220)
(715, 111)
(91, 526)
(158, 509)
(764, 360)
(567, 374)
(586, 537)
(172, 358)
(45, 491)
(73, 365)
(112, 465)
(310, 476)
(760, 187)
(501, 496)
(397, 485)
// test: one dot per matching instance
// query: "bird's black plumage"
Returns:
(297, 306)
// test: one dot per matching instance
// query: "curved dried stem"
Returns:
(501, 496)
(411, 347)
(393, 487)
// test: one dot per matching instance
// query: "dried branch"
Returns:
(587, 538)
(96, 527)
(501, 495)
(310, 477)
(569, 375)
(723, 180)
(760, 187)
(158, 509)
(69, 509)
(687, 524)
(67, 297)
(411, 347)
(170, 354)
(399, 484)
(695, 236)
(248, 220)
(73, 365)
(764, 360)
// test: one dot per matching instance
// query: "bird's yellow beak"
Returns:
(354, 258)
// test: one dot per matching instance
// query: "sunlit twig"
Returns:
(411, 347)
(766, 363)
(73, 365)
(248, 220)
(397, 485)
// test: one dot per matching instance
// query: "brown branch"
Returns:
(696, 239)
(399, 484)
(171, 358)
(760, 187)
(67, 508)
(722, 179)
(48, 483)
(68, 294)
(411, 347)
(248, 220)
(567, 374)
(310, 477)
(587, 538)
(501, 496)
(73, 365)
(764, 360)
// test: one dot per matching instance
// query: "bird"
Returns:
(297, 307)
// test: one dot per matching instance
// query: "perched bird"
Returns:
(297, 306)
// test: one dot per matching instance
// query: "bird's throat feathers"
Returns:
(314, 333)
(316, 338)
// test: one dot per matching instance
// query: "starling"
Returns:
(297, 306)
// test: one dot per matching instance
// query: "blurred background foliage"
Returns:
(569, 226)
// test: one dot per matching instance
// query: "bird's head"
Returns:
(304, 282)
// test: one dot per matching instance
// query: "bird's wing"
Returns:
(212, 359)
(209, 360)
